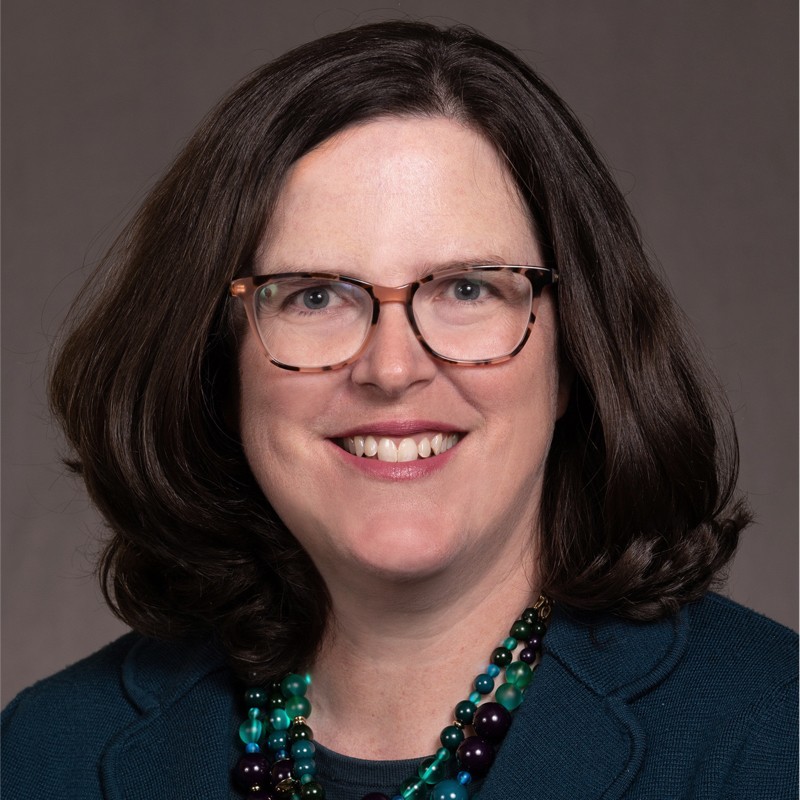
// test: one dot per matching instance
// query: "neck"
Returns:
(399, 656)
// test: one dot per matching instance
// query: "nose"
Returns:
(394, 360)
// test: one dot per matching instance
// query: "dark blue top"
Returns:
(701, 705)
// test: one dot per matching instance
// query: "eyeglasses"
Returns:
(318, 321)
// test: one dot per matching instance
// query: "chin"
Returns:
(404, 554)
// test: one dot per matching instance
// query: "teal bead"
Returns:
(465, 711)
(475, 697)
(256, 696)
(298, 706)
(510, 643)
(484, 683)
(250, 731)
(432, 770)
(304, 766)
(303, 748)
(279, 720)
(306, 778)
(451, 737)
(508, 696)
(293, 686)
(502, 656)
(277, 740)
(442, 755)
(521, 630)
(449, 790)
(519, 673)
(254, 713)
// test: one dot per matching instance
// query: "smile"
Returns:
(399, 450)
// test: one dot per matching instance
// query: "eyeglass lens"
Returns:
(470, 316)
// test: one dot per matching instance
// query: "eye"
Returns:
(317, 297)
(467, 289)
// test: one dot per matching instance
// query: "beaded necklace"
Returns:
(278, 763)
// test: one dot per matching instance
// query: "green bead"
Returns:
(256, 696)
(465, 711)
(250, 731)
(451, 737)
(432, 771)
(521, 630)
(276, 700)
(531, 615)
(293, 686)
(519, 673)
(306, 778)
(312, 789)
(298, 731)
(484, 683)
(298, 706)
(279, 720)
(510, 643)
(508, 695)
(413, 789)
(502, 656)
(442, 755)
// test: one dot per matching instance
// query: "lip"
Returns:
(390, 428)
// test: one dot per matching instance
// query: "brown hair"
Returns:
(636, 514)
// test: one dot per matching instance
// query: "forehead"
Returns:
(396, 197)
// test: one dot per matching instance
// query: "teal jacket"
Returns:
(702, 705)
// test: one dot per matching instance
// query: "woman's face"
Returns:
(389, 201)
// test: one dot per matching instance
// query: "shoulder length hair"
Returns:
(637, 514)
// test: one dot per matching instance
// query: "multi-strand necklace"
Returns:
(278, 763)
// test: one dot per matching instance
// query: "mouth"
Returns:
(395, 449)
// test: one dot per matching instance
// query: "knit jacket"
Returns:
(701, 705)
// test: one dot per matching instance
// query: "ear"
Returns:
(566, 377)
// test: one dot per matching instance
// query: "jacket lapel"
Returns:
(576, 735)
(179, 748)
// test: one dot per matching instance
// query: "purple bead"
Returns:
(282, 771)
(261, 794)
(535, 643)
(251, 771)
(492, 722)
(527, 655)
(374, 796)
(475, 755)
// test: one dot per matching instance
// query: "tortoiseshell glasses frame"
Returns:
(371, 296)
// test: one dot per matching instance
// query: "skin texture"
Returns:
(389, 201)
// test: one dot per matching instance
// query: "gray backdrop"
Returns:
(693, 103)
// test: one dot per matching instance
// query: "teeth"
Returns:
(407, 450)
(387, 450)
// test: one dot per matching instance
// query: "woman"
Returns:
(378, 390)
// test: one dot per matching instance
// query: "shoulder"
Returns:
(89, 705)
(92, 684)
(739, 646)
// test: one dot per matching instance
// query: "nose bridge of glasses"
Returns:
(393, 294)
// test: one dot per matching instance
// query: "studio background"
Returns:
(693, 104)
